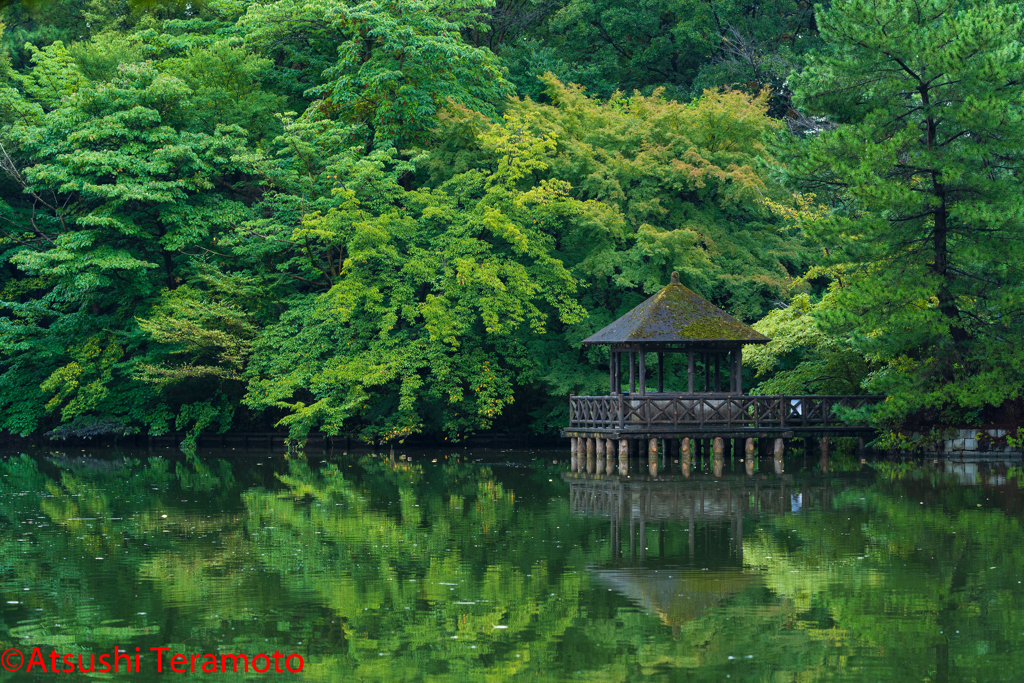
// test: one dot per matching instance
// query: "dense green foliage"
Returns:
(381, 218)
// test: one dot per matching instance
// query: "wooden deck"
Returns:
(625, 415)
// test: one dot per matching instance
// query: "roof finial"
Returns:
(675, 277)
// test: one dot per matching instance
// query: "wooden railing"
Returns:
(632, 411)
(738, 495)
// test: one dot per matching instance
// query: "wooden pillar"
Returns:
(719, 456)
(661, 372)
(824, 455)
(613, 364)
(643, 531)
(643, 372)
(777, 456)
(611, 531)
(652, 457)
(737, 370)
(618, 513)
(718, 372)
(632, 536)
(748, 457)
(573, 452)
(731, 356)
(623, 457)
(632, 373)
(707, 373)
(591, 460)
(685, 458)
(611, 373)
(731, 359)
(609, 452)
(693, 530)
(739, 534)
(600, 455)
(689, 372)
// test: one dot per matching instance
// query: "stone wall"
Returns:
(974, 442)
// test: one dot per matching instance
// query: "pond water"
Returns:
(485, 566)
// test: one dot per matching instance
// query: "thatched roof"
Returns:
(677, 314)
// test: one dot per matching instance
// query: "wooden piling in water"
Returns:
(718, 451)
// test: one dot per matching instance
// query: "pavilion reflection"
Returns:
(675, 595)
(633, 505)
(681, 581)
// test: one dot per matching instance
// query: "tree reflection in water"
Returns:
(383, 570)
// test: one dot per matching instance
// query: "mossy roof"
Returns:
(676, 314)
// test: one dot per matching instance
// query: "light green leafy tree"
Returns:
(800, 358)
(428, 296)
(666, 186)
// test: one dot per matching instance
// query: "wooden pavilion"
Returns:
(676, 320)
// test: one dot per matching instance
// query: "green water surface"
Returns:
(471, 568)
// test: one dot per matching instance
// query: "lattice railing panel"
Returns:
(711, 410)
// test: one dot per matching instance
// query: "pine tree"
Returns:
(923, 174)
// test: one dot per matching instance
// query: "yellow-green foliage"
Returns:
(664, 186)
(800, 358)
